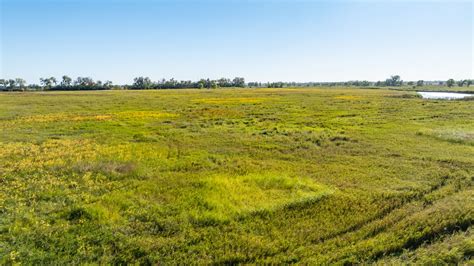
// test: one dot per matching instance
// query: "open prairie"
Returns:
(308, 176)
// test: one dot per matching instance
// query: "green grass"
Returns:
(291, 175)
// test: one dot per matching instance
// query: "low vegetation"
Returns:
(297, 175)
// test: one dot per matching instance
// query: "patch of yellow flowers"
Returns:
(230, 100)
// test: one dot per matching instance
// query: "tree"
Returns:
(410, 83)
(35, 87)
(20, 83)
(460, 83)
(238, 82)
(48, 82)
(84, 82)
(45, 82)
(201, 84)
(223, 82)
(11, 84)
(142, 83)
(420, 83)
(208, 83)
(108, 84)
(66, 82)
(214, 84)
(450, 82)
(393, 81)
(468, 82)
(253, 84)
(3, 84)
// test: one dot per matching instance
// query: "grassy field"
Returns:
(235, 176)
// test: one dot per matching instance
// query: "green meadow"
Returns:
(309, 176)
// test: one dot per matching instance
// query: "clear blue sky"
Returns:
(261, 40)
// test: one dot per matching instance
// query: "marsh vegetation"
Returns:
(235, 176)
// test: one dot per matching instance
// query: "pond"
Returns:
(443, 95)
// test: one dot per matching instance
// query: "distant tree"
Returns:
(461, 83)
(420, 83)
(85, 82)
(254, 84)
(20, 83)
(201, 84)
(223, 82)
(238, 82)
(45, 82)
(276, 85)
(3, 84)
(394, 81)
(410, 83)
(142, 83)
(108, 84)
(11, 84)
(468, 82)
(214, 84)
(66, 82)
(35, 87)
(450, 82)
(207, 83)
(48, 82)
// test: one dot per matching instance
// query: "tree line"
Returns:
(51, 83)
(139, 83)
(144, 83)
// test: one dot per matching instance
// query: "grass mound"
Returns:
(220, 198)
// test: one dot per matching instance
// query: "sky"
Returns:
(260, 40)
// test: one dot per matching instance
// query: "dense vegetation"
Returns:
(144, 83)
(235, 176)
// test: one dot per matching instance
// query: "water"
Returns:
(443, 95)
